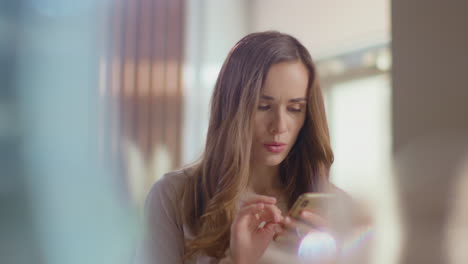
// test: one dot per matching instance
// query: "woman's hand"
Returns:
(309, 235)
(253, 228)
(307, 222)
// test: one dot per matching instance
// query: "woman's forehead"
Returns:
(286, 80)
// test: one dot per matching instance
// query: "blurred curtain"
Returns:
(143, 88)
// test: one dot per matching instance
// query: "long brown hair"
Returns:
(218, 178)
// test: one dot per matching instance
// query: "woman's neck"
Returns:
(264, 180)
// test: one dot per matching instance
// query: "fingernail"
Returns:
(281, 218)
(306, 213)
(288, 220)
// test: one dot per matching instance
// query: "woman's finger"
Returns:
(271, 213)
(312, 219)
(306, 220)
(256, 198)
(289, 224)
(273, 228)
(261, 213)
(250, 210)
(295, 228)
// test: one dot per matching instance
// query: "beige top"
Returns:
(164, 237)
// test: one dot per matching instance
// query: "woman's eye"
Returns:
(263, 107)
(297, 108)
(294, 109)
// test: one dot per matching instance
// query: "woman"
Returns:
(267, 143)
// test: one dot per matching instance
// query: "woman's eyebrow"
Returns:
(294, 100)
(297, 100)
(266, 97)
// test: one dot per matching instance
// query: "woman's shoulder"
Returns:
(164, 230)
(171, 184)
(163, 200)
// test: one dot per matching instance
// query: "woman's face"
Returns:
(280, 113)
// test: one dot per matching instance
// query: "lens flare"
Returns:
(317, 247)
(359, 238)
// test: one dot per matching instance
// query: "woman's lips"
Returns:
(275, 147)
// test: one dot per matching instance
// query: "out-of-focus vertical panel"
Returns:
(116, 77)
(158, 74)
(143, 83)
(103, 122)
(173, 77)
(129, 70)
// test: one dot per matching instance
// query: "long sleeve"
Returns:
(163, 241)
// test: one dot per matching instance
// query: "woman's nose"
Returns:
(278, 124)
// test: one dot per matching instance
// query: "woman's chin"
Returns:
(273, 161)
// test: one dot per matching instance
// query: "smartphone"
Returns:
(318, 203)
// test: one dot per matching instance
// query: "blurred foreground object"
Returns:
(428, 170)
(429, 113)
(60, 203)
(457, 226)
